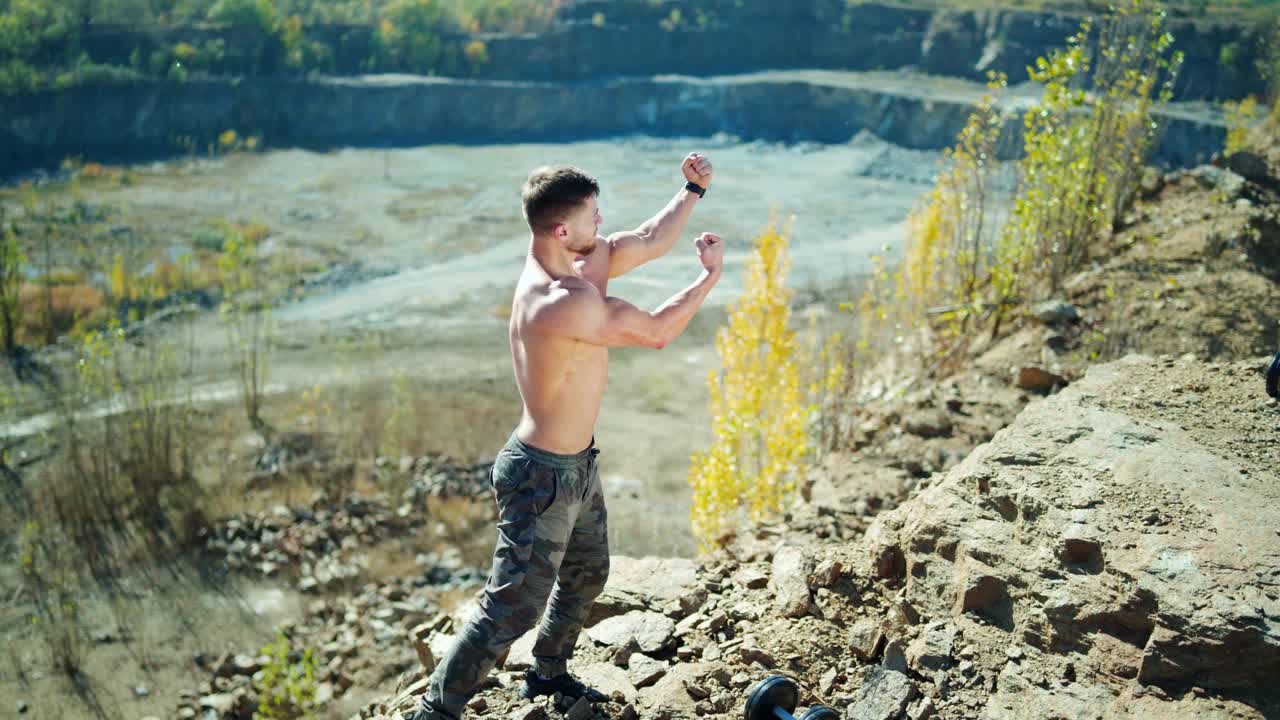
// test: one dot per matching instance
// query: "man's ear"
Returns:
(561, 231)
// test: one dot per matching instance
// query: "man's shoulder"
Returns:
(559, 300)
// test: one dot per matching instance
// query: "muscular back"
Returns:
(561, 379)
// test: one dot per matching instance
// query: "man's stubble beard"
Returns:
(585, 251)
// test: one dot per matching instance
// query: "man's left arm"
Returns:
(630, 249)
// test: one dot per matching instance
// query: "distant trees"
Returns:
(259, 15)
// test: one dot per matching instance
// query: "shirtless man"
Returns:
(552, 535)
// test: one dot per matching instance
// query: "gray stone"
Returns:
(420, 637)
(884, 696)
(922, 709)
(324, 693)
(864, 638)
(580, 710)
(650, 631)
(980, 589)
(751, 577)
(895, 656)
(1080, 544)
(928, 423)
(608, 679)
(645, 583)
(1220, 179)
(644, 671)
(826, 574)
(1054, 312)
(220, 703)
(535, 711)
(696, 690)
(932, 649)
(790, 582)
(668, 698)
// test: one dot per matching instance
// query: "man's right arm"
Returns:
(581, 313)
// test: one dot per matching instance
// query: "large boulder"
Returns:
(1128, 523)
(668, 585)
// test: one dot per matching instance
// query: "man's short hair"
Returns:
(554, 191)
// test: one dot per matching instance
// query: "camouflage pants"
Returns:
(553, 544)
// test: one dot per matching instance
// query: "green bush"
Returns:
(18, 77)
(87, 72)
(287, 686)
(409, 35)
(257, 15)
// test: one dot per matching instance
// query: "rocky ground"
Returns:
(1109, 549)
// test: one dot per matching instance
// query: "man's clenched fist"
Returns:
(710, 251)
(697, 168)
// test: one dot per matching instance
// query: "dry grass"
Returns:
(67, 308)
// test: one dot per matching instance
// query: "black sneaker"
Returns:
(565, 684)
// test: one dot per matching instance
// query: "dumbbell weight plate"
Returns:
(772, 691)
(819, 712)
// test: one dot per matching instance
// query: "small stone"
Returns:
(790, 582)
(889, 562)
(927, 423)
(644, 671)
(826, 574)
(1079, 545)
(1013, 652)
(1034, 379)
(695, 691)
(1053, 312)
(581, 710)
(530, 712)
(324, 693)
(894, 657)
(864, 638)
(750, 577)
(922, 709)
(629, 713)
(931, 650)
(884, 695)
(981, 591)
(220, 703)
(751, 652)
(828, 681)
(22, 707)
(420, 636)
(141, 690)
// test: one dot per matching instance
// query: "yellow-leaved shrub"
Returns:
(759, 415)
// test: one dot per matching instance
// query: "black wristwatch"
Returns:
(692, 186)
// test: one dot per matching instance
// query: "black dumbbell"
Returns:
(1273, 378)
(775, 697)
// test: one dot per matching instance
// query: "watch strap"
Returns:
(692, 186)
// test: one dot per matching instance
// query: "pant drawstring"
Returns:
(591, 467)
